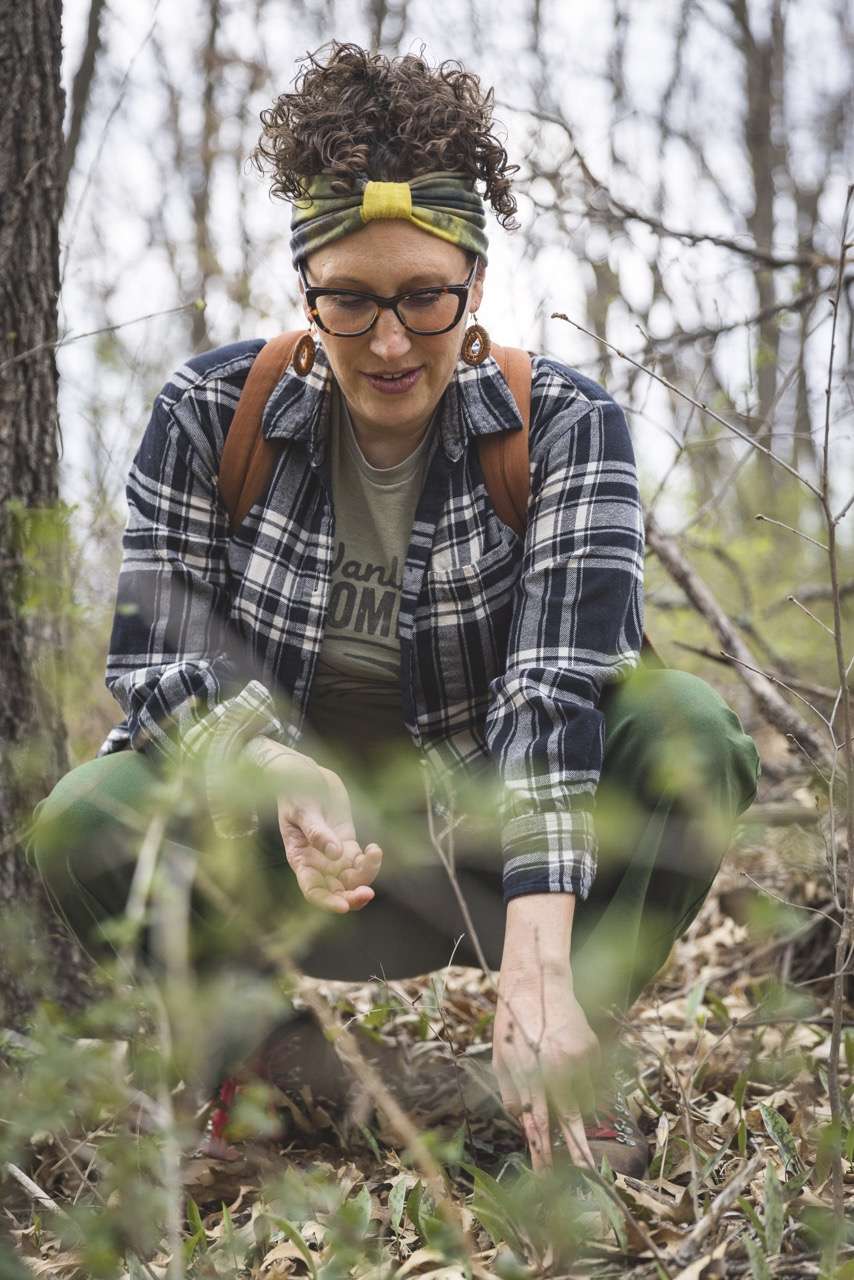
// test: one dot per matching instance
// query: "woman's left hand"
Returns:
(543, 1053)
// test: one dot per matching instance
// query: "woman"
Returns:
(371, 605)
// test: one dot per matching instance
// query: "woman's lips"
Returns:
(395, 386)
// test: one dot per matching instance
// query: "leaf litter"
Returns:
(716, 1083)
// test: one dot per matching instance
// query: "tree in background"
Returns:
(32, 734)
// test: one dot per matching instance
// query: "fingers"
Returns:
(570, 1087)
(577, 1146)
(362, 867)
(321, 834)
(533, 1110)
(535, 1122)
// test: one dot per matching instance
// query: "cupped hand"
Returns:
(333, 871)
(544, 1053)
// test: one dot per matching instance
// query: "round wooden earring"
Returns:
(476, 345)
(304, 354)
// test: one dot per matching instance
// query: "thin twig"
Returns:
(718, 1207)
(775, 709)
(766, 257)
(822, 546)
(846, 931)
(782, 683)
(93, 333)
(810, 614)
(33, 1189)
(677, 391)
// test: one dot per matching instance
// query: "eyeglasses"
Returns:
(347, 313)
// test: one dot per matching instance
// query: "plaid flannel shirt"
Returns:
(505, 642)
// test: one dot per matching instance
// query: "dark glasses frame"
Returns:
(312, 293)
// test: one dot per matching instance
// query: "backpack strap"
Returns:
(505, 466)
(247, 457)
(504, 456)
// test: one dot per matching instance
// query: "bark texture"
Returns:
(34, 954)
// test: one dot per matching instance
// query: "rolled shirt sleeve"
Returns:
(175, 666)
(577, 625)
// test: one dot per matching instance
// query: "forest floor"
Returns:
(730, 1052)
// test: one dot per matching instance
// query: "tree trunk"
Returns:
(35, 956)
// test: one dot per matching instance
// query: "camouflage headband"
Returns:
(445, 204)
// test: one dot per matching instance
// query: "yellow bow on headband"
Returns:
(386, 200)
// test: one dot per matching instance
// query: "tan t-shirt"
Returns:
(355, 696)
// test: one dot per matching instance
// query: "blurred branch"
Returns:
(820, 691)
(775, 709)
(685, 337)
(758, 253)
(123, 87)
(822, 546)
(68, 338)
(813, 591)
(845, 932)
(560, 315)
(82, 86)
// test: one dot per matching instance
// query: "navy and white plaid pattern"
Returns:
(505, 642)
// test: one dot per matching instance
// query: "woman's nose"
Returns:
(389, 339)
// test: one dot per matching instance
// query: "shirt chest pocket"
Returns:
(464, 623)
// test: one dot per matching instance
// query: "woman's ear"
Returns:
(476, 294)
(304, 302)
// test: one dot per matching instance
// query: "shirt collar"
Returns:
(476, 402)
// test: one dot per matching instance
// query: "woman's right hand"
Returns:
(332, 869)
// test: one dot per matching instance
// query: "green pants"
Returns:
(678, 770)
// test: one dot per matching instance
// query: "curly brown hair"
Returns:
(388, 119)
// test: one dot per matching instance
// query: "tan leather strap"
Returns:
(504, 456)
(247, 458)
(505, 465)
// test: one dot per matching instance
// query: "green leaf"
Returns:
(371, 1141)
(752, 1216)
(756, 1258)
(718, 1007)
(713, 1161)
(492, 1206)
(616, 1220)
(413, 1206)
(423, 1029)
(362, 1204)
(295, 1238)
(377, 1017)
(774, 1211)
(194, 1218)
(396, 1201)
(694, 1000)
(778, 1129)
(422, 1214)
(848, 1041)
(227, 1225)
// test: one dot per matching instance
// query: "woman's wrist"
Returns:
(267, 752)
(538, 934)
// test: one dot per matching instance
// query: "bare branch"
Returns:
(780, 524)
(82, 86)
(758, 253)
(559, 315)
(776, 710)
